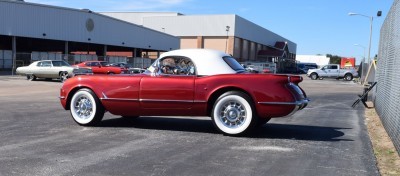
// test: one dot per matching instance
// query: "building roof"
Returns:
(278, 50)
(271, 52)
(32, 20)
(280, 45)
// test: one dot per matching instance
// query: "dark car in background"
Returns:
(303, 68)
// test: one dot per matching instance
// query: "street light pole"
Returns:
(370, 39)
(363, 47)
(371, 19)
(362, 66)
(227, 36)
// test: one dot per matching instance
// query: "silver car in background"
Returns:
(51, 69)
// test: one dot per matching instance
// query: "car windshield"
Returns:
(60, 64)
(234, 64)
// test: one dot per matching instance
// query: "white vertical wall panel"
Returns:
(192, 25)
(137, 17)
(32, 20)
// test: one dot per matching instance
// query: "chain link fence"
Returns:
(387, 95)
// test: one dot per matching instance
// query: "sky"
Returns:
(316, 26)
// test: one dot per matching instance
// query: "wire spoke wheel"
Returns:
(232, 113)
(85, 108)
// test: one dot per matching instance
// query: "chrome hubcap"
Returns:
(83, 107)
(64, 76)
(233, 114)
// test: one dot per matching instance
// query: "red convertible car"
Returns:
(189, 82)
(100, 67)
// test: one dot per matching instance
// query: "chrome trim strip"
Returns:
(199, 101)
(148, 100)
(286, 103)
(119, 99)
(278, 103)
(62, 97)
(159, 100)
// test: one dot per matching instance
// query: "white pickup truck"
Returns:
(332, 71)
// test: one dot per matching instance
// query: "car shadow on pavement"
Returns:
(48, 80)
(162, 123)
(299, 132)
(268, 131)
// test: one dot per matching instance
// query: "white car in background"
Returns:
(50, 69)
(332, 71)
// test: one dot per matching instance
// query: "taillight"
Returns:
(295, 79)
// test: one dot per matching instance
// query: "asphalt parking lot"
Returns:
(38, 137)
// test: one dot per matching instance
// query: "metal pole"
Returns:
(370, 39)
(14, 54)
(363, 63)
(369, 49)
(227, 36)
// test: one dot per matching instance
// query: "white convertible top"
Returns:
(207, 61)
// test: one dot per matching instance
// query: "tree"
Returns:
(334, 59)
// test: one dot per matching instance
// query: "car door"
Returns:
(44, 70)
(332, 71)
(56, 67)
(167, 91)
(96, 67)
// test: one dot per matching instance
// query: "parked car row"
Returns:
(55, 69)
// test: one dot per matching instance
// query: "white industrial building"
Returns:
(317, 59)
(246, 41)
(27, 28)
(31, 31)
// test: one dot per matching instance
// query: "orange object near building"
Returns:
(347, 62)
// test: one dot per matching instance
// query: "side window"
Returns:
(39, 64)
(95, 64)
(56, 64)
(177, 66)
(168, 65)
(333, 67)
(46, 64)
(88, 64)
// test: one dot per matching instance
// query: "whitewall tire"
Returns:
(233, 113)
(86, 108)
